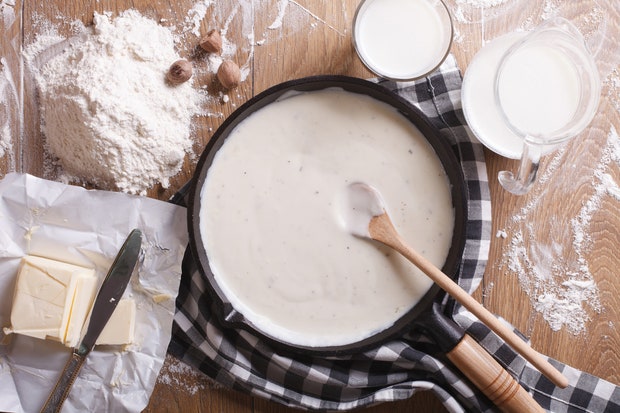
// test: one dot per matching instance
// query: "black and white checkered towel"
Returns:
(399, 368)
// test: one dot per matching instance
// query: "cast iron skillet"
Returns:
(424, 314)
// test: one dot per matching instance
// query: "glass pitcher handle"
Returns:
(526, 175)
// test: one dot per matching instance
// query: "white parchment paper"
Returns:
(87, 227)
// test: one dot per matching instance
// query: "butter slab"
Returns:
(51, 299)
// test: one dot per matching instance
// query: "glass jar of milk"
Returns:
(402, 39)
(525, 93)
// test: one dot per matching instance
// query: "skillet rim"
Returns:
(221, 308)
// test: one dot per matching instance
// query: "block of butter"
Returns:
(120, 327)
(52, 300)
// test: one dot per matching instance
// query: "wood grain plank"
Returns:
(314, 37)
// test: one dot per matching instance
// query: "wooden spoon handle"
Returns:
(382, 230)
(491, 378)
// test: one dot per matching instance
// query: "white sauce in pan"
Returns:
(361, 204)
(271, 217)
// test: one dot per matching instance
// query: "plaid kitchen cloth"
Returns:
(396, 369)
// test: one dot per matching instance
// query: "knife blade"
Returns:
(109, 294)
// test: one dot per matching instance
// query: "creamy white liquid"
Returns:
(539, 89)
(361, 204)
(272, 225)
(402, 39)
(478, 98)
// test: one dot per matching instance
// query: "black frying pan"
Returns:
(461, 349)
(222, 307)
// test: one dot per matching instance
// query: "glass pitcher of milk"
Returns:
(547, 89)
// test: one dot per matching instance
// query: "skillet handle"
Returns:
(491, 378)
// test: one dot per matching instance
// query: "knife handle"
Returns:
(63, 385)
(490, 377)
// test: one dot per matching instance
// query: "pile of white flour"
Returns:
(108, 114)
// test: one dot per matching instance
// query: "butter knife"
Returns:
(109, 294)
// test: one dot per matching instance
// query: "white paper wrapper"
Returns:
(87, 228)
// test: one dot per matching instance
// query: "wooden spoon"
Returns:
(368, 208)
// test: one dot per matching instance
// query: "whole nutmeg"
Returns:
(179, 72)
(212, 42)
(229, 74)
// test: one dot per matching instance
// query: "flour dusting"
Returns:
(481, 3)
(561, 291)
(184, 377)
(559, 282)
(612, 84)
(9, 101)
(6, 93)
(277, 23)
(195, 16)
(7, 8)
(6, 145)
(480, 11)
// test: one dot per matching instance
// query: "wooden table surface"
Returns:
(281, 40)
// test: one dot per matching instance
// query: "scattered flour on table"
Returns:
(551, 8)
(277, 23)
(612, 84)
(481, 3)
(479, 11)
(108, 115)
(183, 377)
(604, 185)
(6, 144)
(559, 283)
(7, 8)
(195, 15)
(7, 90)
(305, 12)
(9, 103)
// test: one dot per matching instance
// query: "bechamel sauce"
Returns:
(361, 204)
(402, 39)
(271, 217)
